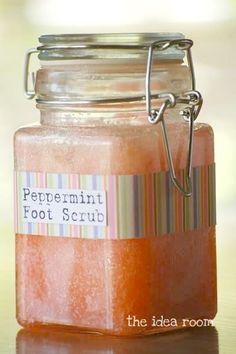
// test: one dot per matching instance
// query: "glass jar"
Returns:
(115, 201)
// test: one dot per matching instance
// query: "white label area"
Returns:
(62, 206)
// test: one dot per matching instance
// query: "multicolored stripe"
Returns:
(137, 205)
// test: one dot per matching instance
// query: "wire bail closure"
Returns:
(193, 98)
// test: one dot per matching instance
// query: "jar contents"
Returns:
(105, 242)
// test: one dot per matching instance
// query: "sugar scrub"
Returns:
(102, 231)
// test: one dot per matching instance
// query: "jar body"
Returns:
(95, 284)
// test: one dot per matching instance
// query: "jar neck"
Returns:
(89, 86)
(68, 117)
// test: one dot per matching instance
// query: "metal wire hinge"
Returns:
(192, 98)
(29, 92)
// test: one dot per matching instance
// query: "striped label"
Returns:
(115, 206)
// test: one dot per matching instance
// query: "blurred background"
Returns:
(212, 26)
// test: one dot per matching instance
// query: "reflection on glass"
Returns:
(43, 341)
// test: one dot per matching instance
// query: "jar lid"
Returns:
(106, 46)
(82, 68)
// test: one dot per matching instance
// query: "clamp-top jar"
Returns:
(115, 198)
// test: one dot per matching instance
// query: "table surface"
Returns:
(220, 339)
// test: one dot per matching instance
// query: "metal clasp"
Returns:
(193, 98)
(29, 93)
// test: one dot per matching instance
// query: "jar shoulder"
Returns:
(93, 134)
(204, 129)
(29, 132)
(121, 149)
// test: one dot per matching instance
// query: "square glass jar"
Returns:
(95, 158)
